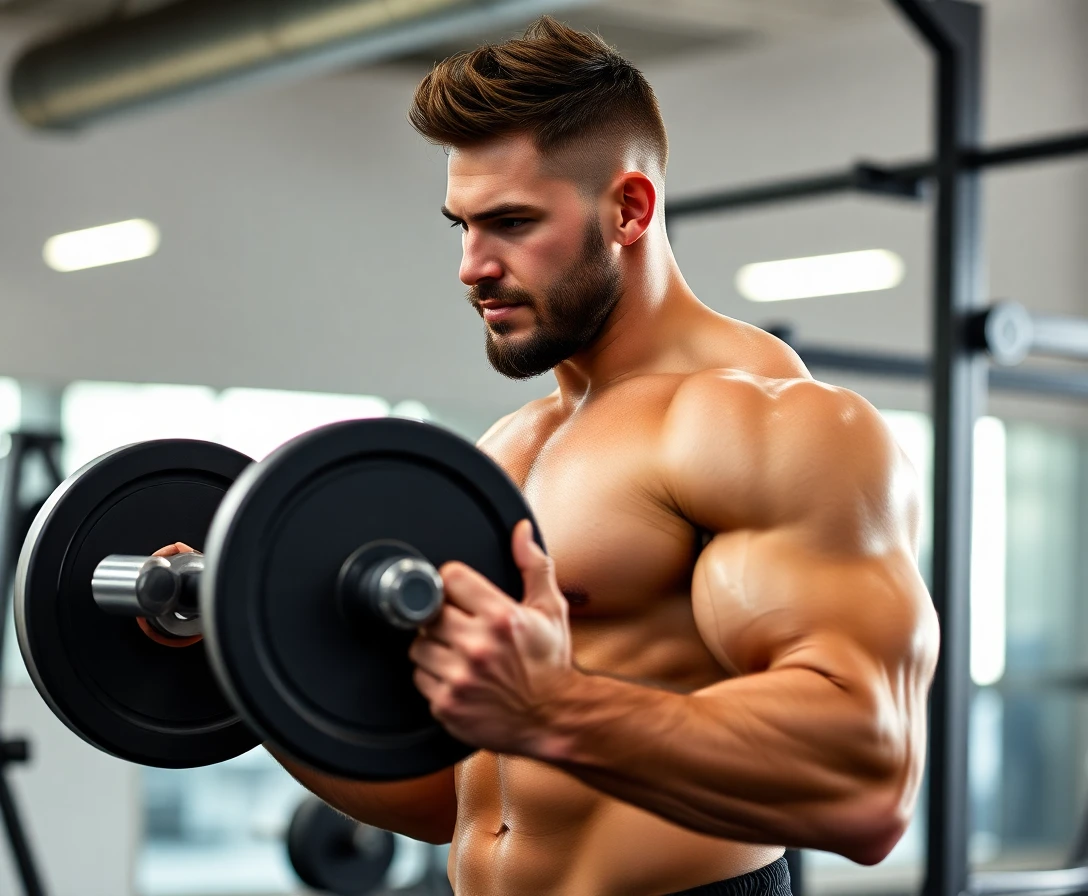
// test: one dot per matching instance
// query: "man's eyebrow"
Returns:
(509, 209)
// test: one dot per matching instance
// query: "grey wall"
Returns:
(303, 250)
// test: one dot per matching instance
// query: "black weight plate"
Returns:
(104, 678)
(340, 697)
(333, 854)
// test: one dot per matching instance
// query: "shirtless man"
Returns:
(728, 649)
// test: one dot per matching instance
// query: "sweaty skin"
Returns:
(752, 644)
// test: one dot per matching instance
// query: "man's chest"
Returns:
(596, 491)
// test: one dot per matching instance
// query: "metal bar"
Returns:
(1010, 333)
(20, 847)
(1060, 336)
(1056, 384)
(953, 29)
(9, 507)
(902, 181)
(874, 363)
(909, 177)
(744, 197)
(11, 529)
(1053, 383)
(1031, 151)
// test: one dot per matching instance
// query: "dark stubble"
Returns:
(569, 317)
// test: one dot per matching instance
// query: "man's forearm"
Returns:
(784, 757)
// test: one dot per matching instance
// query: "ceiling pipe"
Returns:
(190, 47)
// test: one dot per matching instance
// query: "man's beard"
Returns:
(568, 319)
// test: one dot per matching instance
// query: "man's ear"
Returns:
(636, 201)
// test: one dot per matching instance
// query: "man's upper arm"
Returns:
(814, 514)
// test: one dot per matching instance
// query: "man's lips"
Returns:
(494, 310)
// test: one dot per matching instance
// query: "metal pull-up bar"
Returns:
(904, 181)
(1010, 333)
(893, 365)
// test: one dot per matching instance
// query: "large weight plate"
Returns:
(101, 675)
(336, 696)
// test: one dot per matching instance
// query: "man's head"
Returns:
(557, 154)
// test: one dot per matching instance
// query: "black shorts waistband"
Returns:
(770, 880)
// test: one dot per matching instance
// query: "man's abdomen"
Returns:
(526, 828)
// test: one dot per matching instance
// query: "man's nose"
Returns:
(477, 262)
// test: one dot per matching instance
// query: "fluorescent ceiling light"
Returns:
(97, 246)
(821, 275)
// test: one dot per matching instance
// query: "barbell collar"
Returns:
(391, 583)
(164, 590)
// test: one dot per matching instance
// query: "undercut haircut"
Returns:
(581, 103)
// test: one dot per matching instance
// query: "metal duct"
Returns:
(190, 46)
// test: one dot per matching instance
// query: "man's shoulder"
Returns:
(718, 400)
(794, 444)
(530, 414)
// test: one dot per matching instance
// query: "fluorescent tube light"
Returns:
(97, 246)
(820, 275)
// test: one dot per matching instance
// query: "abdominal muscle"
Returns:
(526, 828)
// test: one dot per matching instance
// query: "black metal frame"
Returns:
(907, 180)
(1060, 384)
(15, 517)
(953, 30)
(963, 330)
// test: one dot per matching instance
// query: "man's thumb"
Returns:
(537, 568)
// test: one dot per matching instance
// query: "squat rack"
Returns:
(16, 515)
(967, 334)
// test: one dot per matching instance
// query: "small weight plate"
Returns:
(338, 696)
(333, 854)
(102, 676)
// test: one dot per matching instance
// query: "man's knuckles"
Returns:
(479, 655)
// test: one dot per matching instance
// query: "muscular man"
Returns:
(728, 648)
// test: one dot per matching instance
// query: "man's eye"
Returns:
(460, 224)
(513, 223)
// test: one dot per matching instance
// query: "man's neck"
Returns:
(654, 312)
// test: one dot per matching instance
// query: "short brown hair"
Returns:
(558, 85)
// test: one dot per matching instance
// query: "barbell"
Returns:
(315, 566)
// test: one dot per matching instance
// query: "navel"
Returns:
(576, 597)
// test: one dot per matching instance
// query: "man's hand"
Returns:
(178, 547)
(489, 666)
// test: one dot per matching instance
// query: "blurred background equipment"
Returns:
(334, 854)
(16, 513)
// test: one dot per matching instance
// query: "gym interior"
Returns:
(283, 265)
